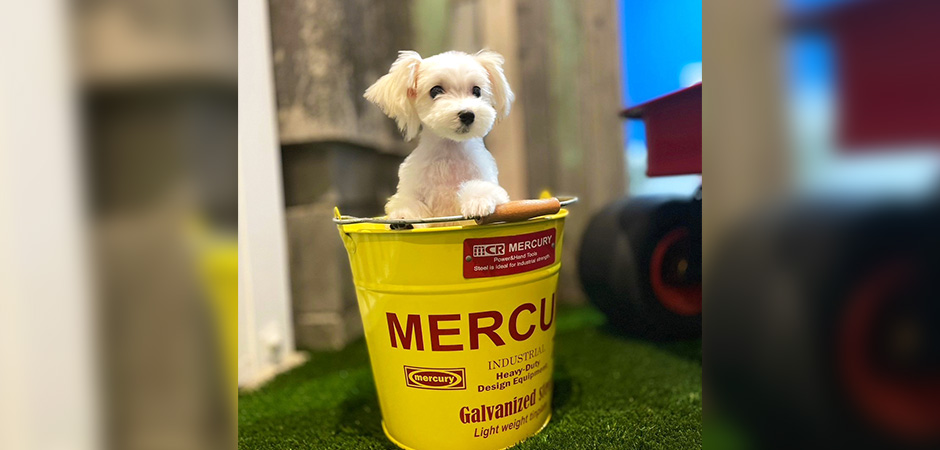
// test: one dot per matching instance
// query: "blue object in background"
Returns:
(661, 43)
(660, 39)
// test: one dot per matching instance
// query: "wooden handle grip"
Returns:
(519, 210)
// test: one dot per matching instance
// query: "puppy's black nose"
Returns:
(466, 117)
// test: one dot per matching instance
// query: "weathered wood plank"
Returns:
(570, 62)
(507, 140)
(597, 173)
(533, 94)
(744, 146)
(326, 53)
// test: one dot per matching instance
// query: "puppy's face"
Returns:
(454, 95)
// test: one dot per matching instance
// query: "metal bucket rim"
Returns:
(381, 228)
(341, 219)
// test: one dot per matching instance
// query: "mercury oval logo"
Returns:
(437, 379)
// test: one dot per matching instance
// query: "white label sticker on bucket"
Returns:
(507, 255)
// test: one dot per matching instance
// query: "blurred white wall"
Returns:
(265, 333)
(47, 352)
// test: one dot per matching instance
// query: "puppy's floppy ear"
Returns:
(394, 93)
(502, 94)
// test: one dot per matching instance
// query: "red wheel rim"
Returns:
(685, 300)
(905, 406)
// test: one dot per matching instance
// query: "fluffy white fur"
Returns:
(450, 172)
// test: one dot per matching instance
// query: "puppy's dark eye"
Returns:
(476, 91)
(436, 90)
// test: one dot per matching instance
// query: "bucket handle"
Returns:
(519, 210)
(514, 211)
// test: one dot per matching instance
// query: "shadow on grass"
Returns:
(562, 390)
(690, 349)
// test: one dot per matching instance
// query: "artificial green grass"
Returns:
(611, 392)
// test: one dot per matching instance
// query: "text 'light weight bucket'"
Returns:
(459, 322)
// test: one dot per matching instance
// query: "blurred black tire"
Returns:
(640, 263)
(823, 322)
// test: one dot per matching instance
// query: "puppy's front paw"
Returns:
(404, 207)
(477, 207)
(479, 198)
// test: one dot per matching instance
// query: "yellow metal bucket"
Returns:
(460, 323)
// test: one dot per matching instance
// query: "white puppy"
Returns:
(454, 98)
